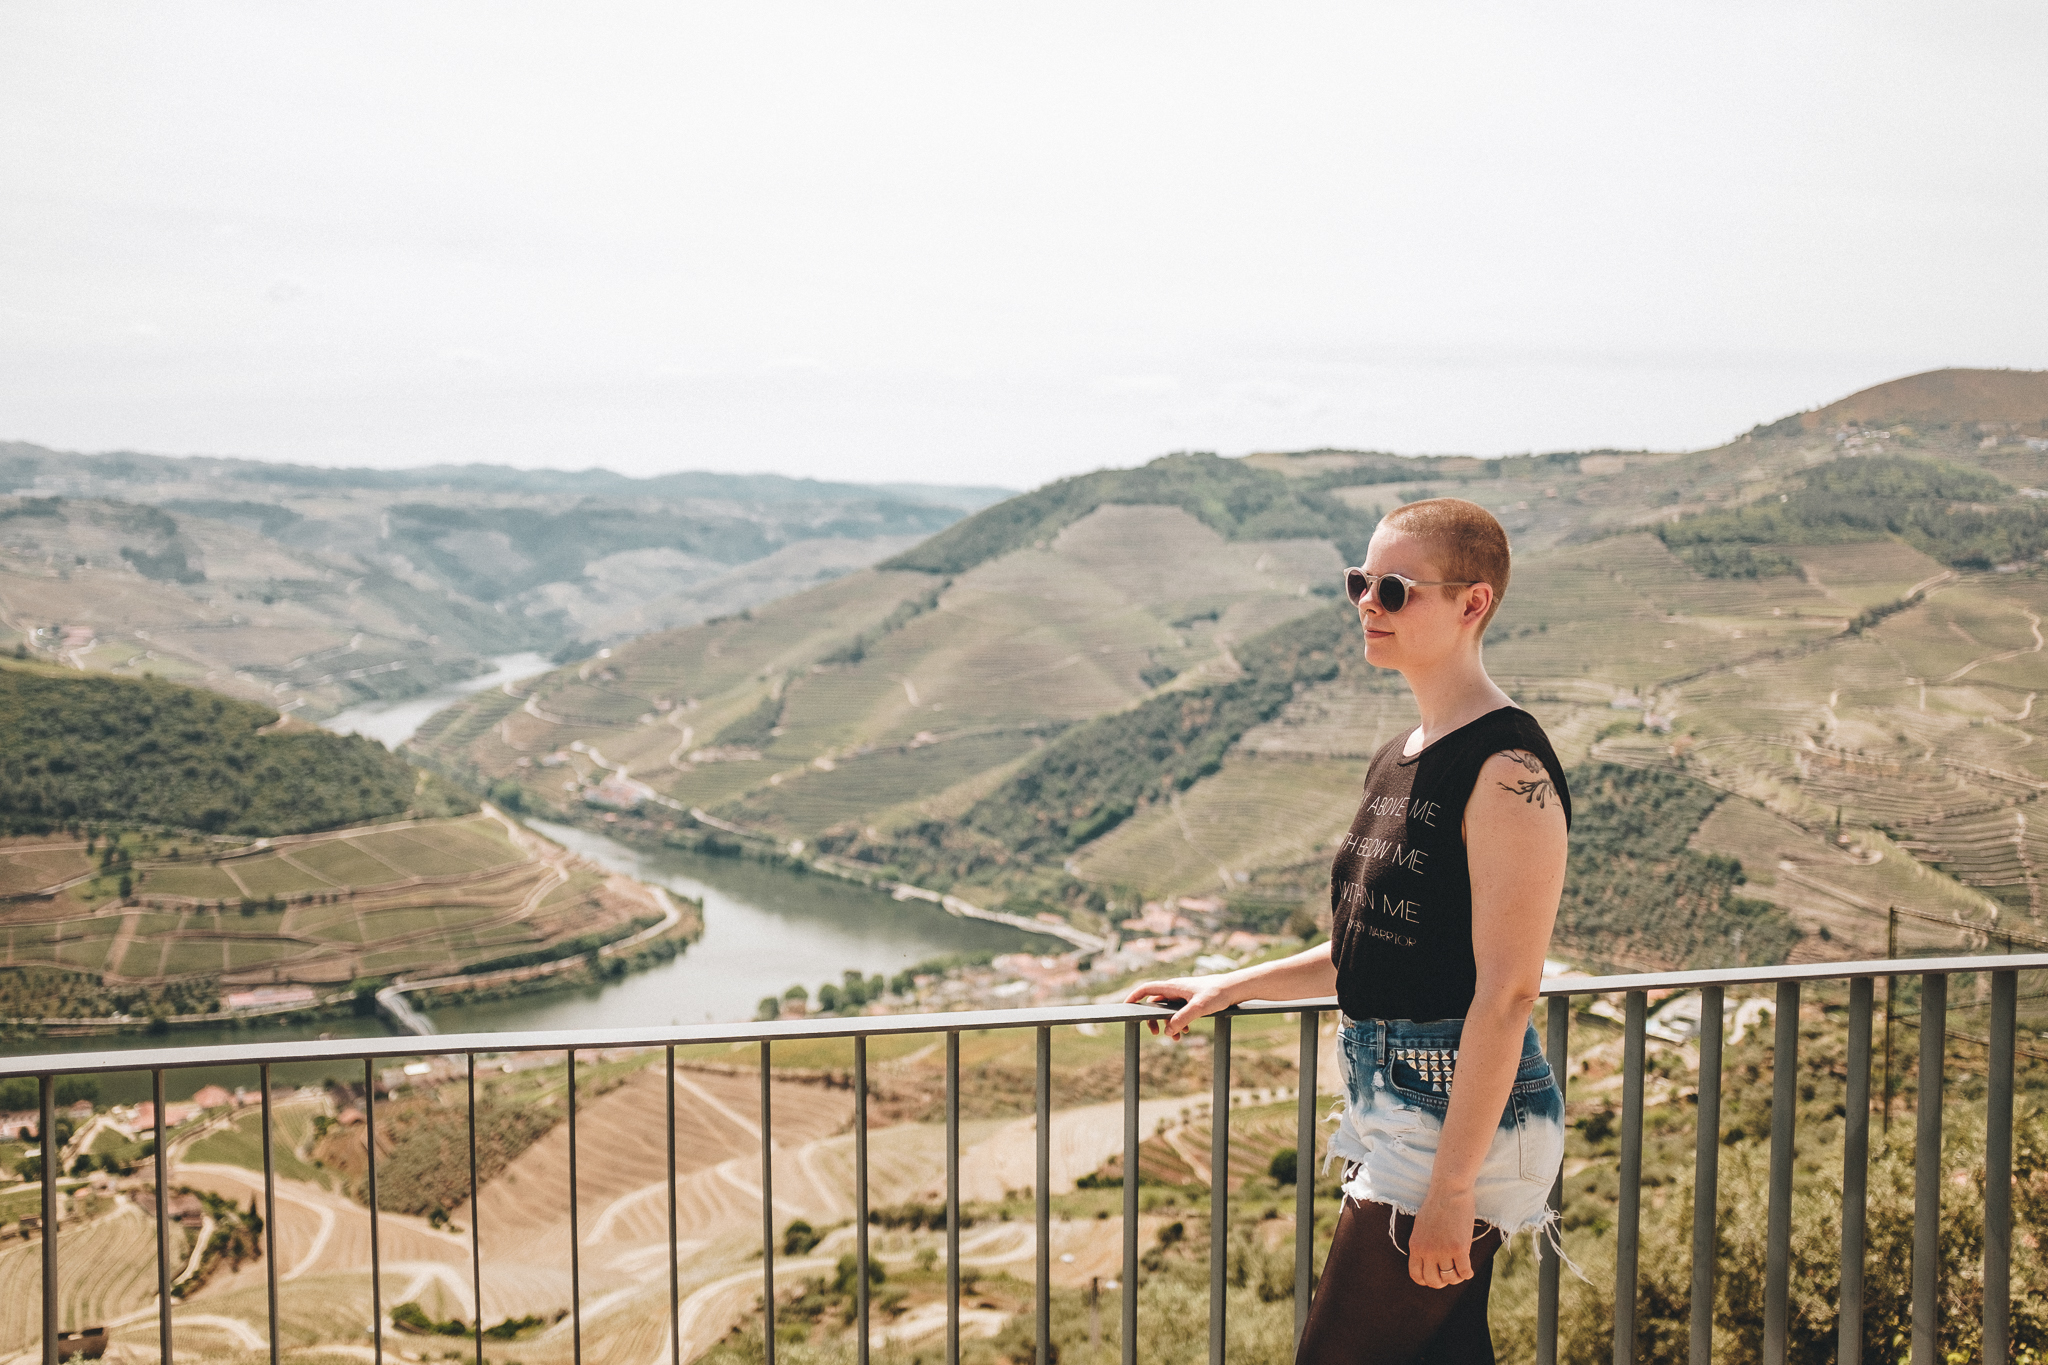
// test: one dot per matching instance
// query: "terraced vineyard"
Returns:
(409, 896)
(115, 1256)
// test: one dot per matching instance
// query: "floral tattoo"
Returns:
(1535, 790)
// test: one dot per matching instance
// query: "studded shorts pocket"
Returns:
(1422, 1074)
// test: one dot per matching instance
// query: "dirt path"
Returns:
(1081, 1140)
(2033, 625)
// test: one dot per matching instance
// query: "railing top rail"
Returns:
(870, 1026)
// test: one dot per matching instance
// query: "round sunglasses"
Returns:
(1391, 589)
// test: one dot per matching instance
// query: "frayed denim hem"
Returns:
(1546, 1226)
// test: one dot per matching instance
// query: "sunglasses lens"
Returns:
(1393, 595)
(1354, 584)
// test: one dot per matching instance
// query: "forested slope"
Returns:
(1636, 895)
(1962, 517)
(93, 748)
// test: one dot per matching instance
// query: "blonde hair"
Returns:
(1468, 543)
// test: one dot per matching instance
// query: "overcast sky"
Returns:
(999, 243)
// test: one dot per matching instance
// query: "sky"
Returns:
(997, 245)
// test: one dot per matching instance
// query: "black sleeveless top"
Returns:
(1401, 889)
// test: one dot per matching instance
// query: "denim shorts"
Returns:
(1397, 1090)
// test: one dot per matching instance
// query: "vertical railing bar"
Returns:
(1128, 1305)
(1219, 1188)
(675, 1287)
(1042, 1192)
(1305, 1170)
(1891, 987)
(1998, 1169)
(1778, 1221)
(163, 1222)
(575, 1225)
(53, 1159)
(269, 1213)
(476, 1252)
(1549, 1266)
(952, 1199)
(376, 1250)
(1927, 1171)
(860, 1193)
(767, 1213)
(1706, 1178)
(1628, 1223)
(1855, 1172)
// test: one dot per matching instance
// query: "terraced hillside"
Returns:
(1082, 699)
(167, 845)
(404, 897)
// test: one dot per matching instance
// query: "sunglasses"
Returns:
(1392, 589)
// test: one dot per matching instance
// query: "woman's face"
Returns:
(1432, 624)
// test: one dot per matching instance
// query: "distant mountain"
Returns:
(316, 588)
(1939, 400)
(25, 467)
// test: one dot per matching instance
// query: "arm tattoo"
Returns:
(1536, 790)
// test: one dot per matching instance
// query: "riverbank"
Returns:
(641, 949)
(647, 947)
(766, 848)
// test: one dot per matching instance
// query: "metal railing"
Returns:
(1934, 974)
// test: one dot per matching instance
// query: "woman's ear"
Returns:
(1477, 603)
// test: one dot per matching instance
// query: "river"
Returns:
(765, 930)
(392, 723)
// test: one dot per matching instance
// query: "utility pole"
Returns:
(1095, 1318)
(1891, 952)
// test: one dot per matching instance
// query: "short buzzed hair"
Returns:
(1468, 543)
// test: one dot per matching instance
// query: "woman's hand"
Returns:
(1440, 1247)
(1195, 995)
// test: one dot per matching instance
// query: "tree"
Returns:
(847, 1273)
(769, 1008)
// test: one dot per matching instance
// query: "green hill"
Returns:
(1939, 399)
(93, 748)
(1232, 497)
(1961, 517)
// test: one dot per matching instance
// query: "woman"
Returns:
(1441, 903)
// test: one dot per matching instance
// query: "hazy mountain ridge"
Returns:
(317, 588)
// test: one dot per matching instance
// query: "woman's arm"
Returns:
(1515, 842)
(1307, 973)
